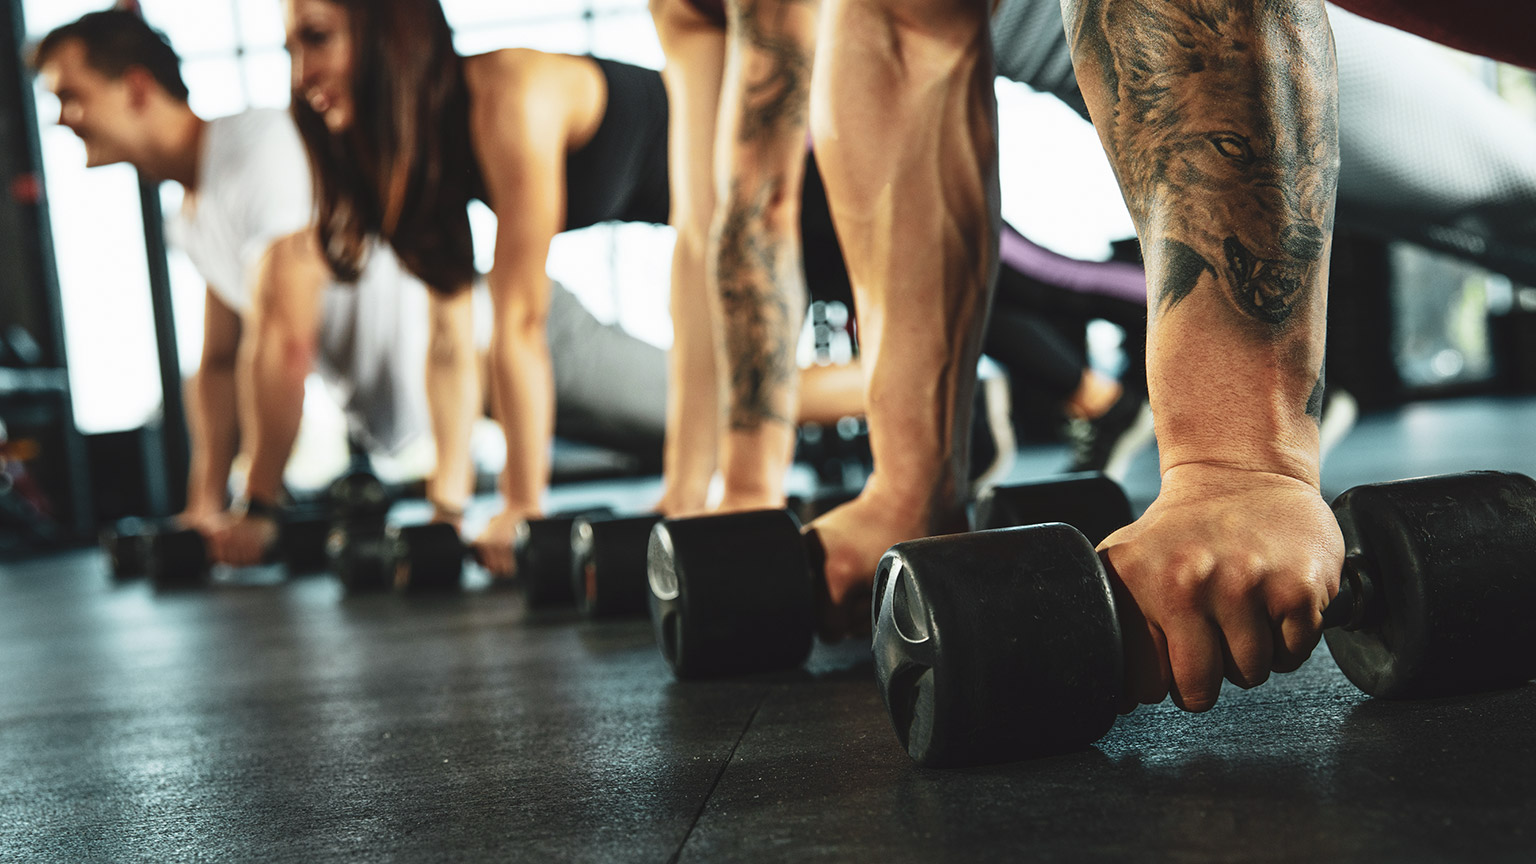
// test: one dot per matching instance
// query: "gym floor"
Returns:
(278, 721)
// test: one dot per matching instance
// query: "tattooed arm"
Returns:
(1220, 118)
(755, 272)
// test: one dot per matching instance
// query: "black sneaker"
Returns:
(1109, 443)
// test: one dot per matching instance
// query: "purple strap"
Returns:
(1117, 279)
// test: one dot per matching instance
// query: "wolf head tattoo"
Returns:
(1224, 141)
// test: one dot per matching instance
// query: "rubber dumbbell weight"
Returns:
(357, 545)
(608, 565)
(1006, 645)
(738, 593)
(127, 546)
(541, 549)
(424, 558)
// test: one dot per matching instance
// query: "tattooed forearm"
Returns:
(1222, 128)
(781, 92)
(762, 295)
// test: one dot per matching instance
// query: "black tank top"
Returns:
(621, 174)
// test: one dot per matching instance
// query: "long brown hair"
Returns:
(405, 170)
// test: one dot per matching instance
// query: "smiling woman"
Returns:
(233, 59)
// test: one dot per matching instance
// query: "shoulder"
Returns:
(252, 139)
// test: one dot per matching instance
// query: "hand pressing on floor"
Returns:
(1229, 571)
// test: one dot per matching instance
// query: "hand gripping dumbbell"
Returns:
(738, 593)
(541, 549)
(1005, 645)
(608, 565)
(423, 558)
(176, 557)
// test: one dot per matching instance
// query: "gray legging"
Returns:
(1427, 153)
(610, 388)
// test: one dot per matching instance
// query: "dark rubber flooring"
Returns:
(284, 722)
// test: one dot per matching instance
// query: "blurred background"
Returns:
(83, 255)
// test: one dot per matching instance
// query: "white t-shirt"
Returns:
(253, 188)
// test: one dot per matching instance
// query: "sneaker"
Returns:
(1109, 443)
(1340, 410)
(993, 444)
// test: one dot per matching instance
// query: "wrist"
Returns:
(259, 507)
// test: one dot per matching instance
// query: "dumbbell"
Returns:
(608, 556)
(177, 557)
(608, 565)
(357, 547)
(738, 593)
(1006, 645)
(423, 558)
(542, 551)
(127, 546)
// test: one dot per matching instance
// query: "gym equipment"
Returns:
(177, 558)
(1005, 645)
(127, 546)
(542, 550)
(608, 565)
(738, 593)
(427, 557)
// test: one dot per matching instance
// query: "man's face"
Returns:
(101, 111)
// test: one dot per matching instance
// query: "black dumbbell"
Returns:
(608, 565)
(127, 546)
(1098, 506)
(1005, 645)
(304, 531)
(423, 558)
(738, 593)
(542, 551)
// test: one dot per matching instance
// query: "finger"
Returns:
(1147, 677)
(1247, 645)
(1194, 655)
(1295, 638)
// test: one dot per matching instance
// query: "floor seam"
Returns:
(719, 775)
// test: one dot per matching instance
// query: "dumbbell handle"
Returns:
(1356, 604)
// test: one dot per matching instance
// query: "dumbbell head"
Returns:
(178, 558)
(430, 557)
(608, 565)
(127, 546)
(996, 646)
(1447, 561)
(363, 557)
(731, 594)
(301, 541)
(1090, 502)
(542, 550)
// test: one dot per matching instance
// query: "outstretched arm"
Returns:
(213, 414)
(520, 134)
(1220, 118)
(755, 273)
(274, 361)
(695, 50)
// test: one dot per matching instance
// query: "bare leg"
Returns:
(905, 128)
